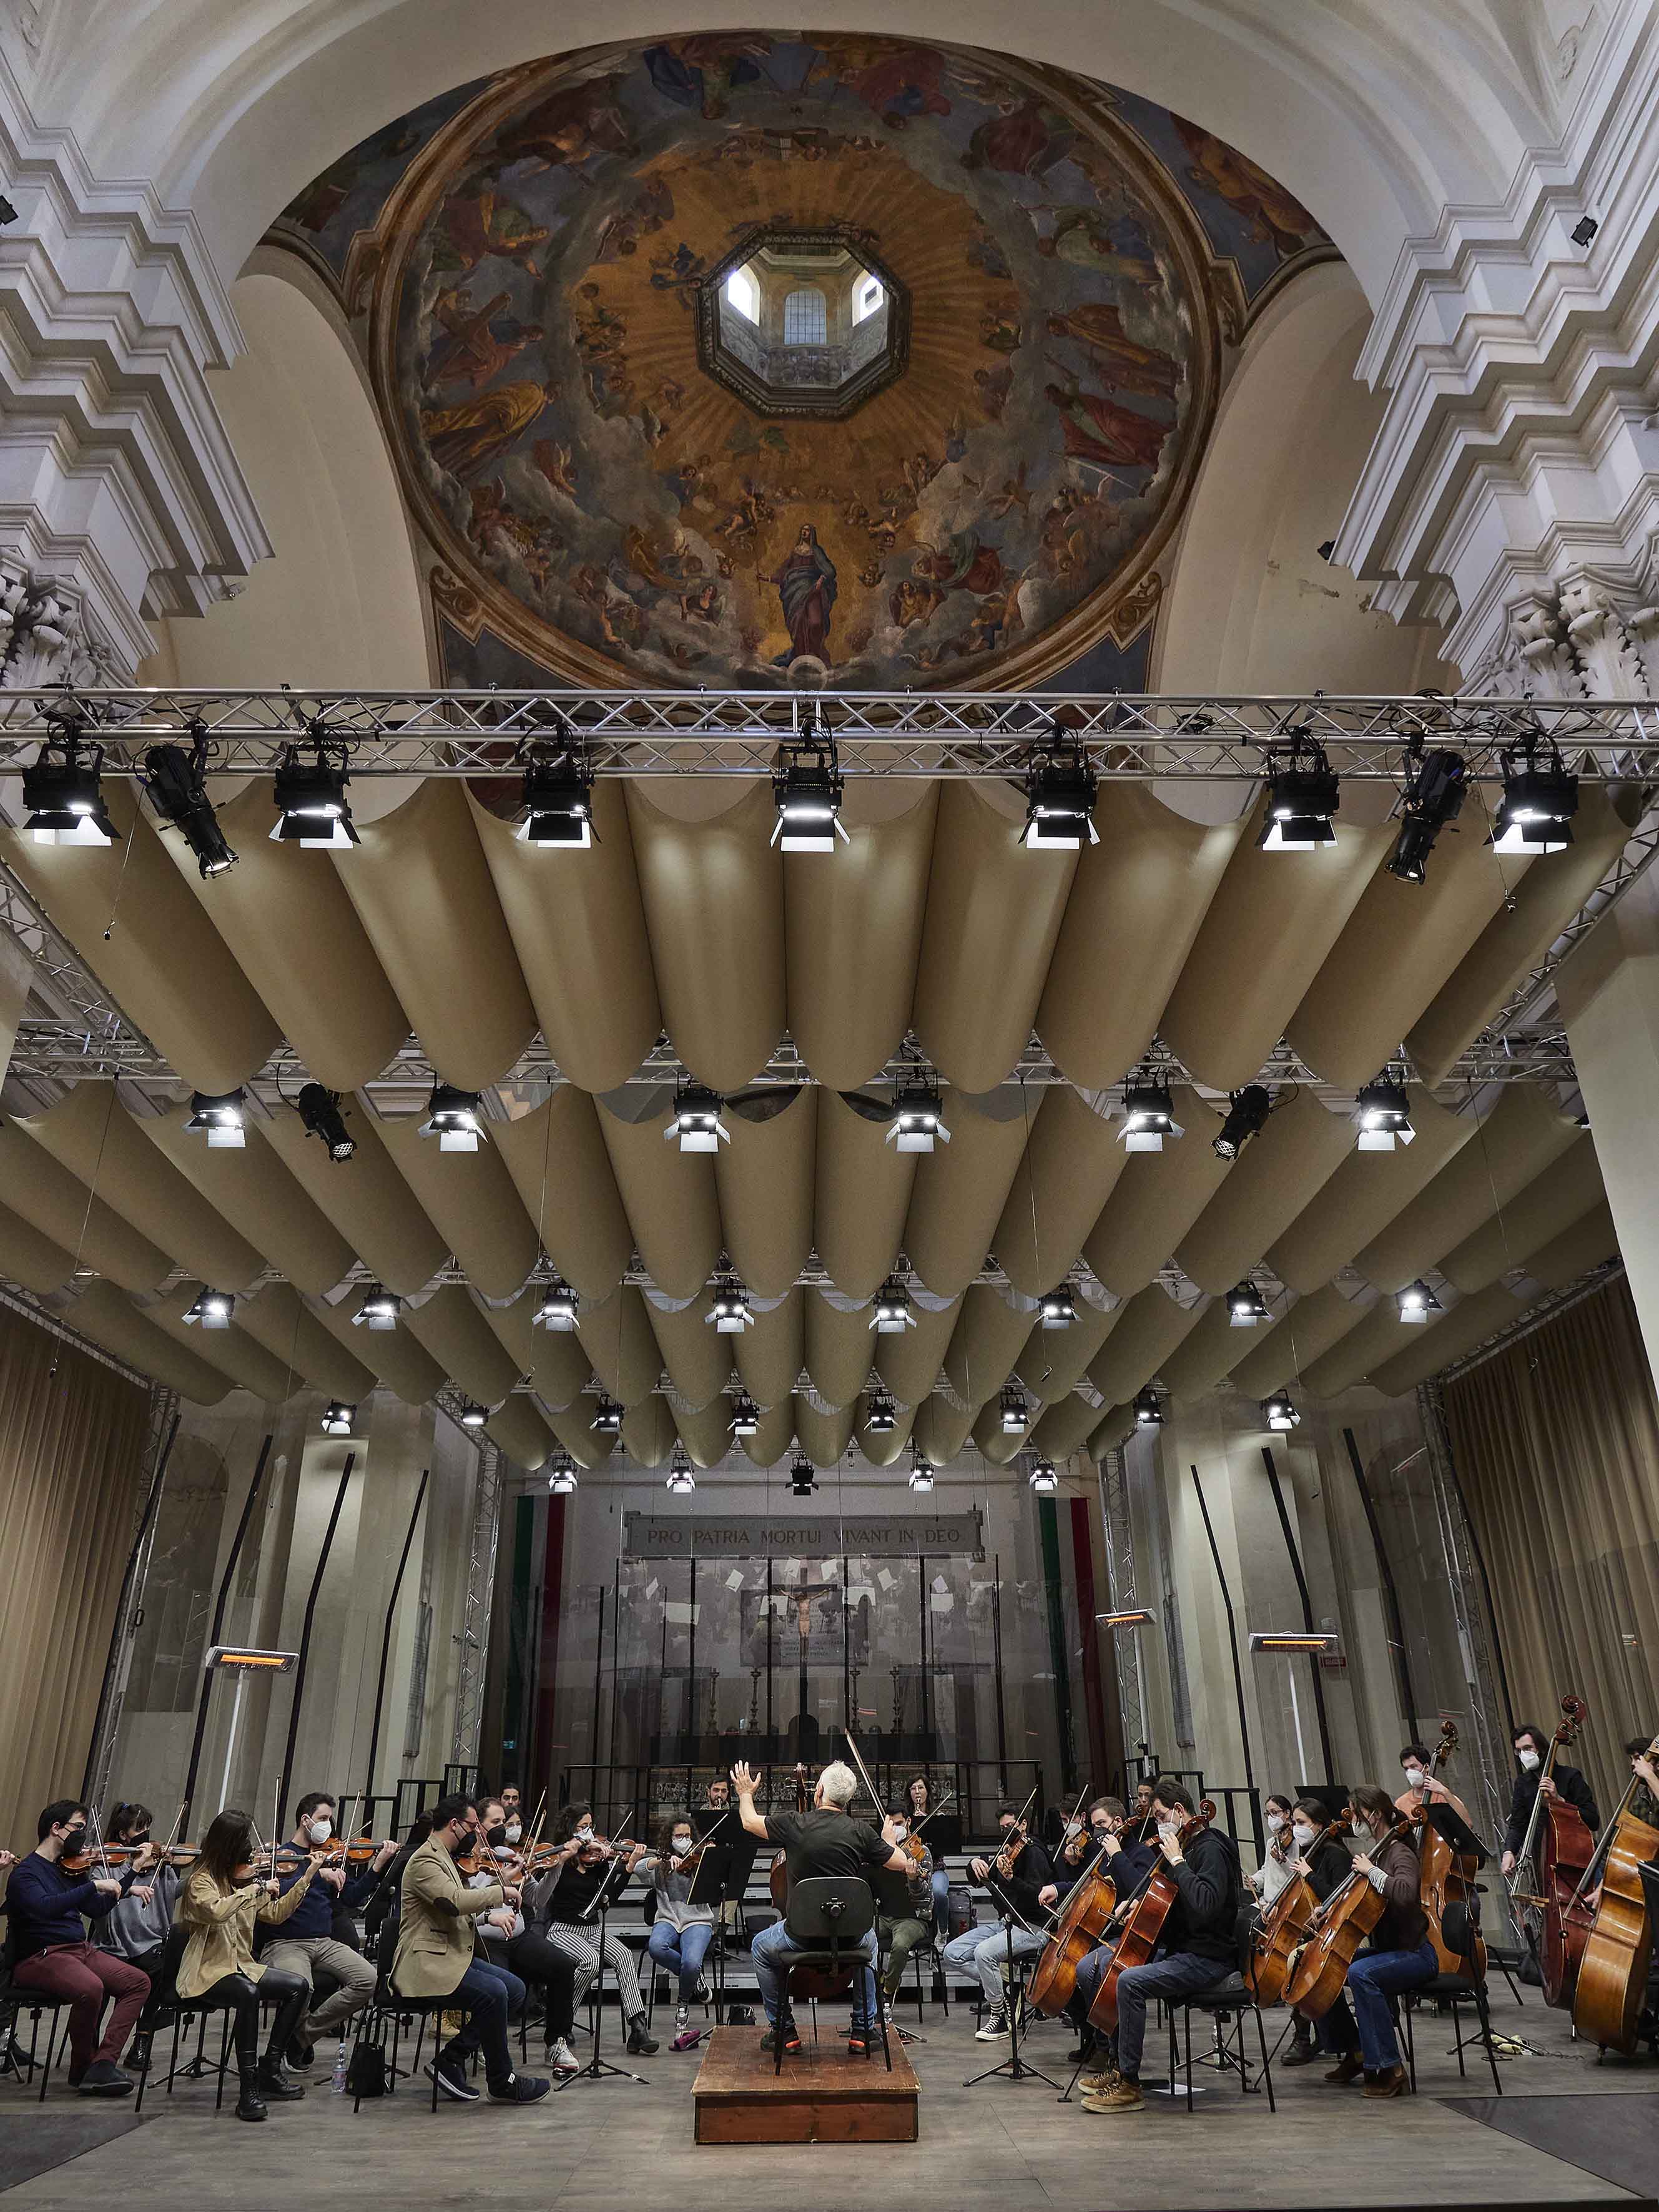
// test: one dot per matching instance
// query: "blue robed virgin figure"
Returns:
(807, 585)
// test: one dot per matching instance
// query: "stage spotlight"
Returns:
(63, 791)
(1044, 1478)
(1384, 1113)
(557, 1308)
(311, 807)
(697, 1120)
(1149, 1408)
(807, 791)
(556, 800)
(379, 1310)
(746, 1415)
(1247, 1112)
(1535, 813)
(917, 1117)
(1416, 1302)
(1434, 798)
(454, 1118)
(1302, 798)
(803, 1476)
(1245, 1306)
(1278, 1412)
(318, 1108)
(920, 1477)
(1016, 1414)
(608, 1419)
(175, 780)
(728, 1309)
(882, 1417)
(893, 1312)
(1060, 790)
(473, 1417)
(1058, 1308)
(212, 1308)
(1148, 1117)
(337, 1418)
(681, 1481)
(561, 1478)
(222, 1115)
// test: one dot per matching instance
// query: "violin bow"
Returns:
(864, 1776)
(943, 1802)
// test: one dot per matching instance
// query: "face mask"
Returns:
(514, 1832)
(682, 1845)
(496, 1836)
(1413, 1777)
(1528, 1760)
(1303, 1834)
(320, 1830)
(585, 1833)
(1168, 1824)
(137, 1843)
(1275, 1821)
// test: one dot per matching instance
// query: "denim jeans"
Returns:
(941, 1887)
(1373, 1979)
(1182, 1974)
(984, 1951)
(681, 1951)
(491, 1994)
(774, 1949)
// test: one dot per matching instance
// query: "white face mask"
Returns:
(585, 1834)
(1275, 1821)
(1413, 1777)
(1168, 1824)
(514, 1832)
(682, 1845)
(320, 1830)
(1528, 1760)
(1302, 1833)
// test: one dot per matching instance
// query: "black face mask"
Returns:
(495, 1835)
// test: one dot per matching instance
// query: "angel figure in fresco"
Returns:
(703, 70)
(475, 228)
(1026, 140)
(1081, 238)
(1275, 216)
(894, 81)
(994, 387)
(962, 565)
(807, 585)
(568, 128)
(1121, 364)
(554, 463)
(620, 234)
(1098, 430)
(481, 340)
(1000, 329)
(679, 272)
(465, 437)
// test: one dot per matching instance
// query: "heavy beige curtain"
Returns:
(1556, 1443)
(71, 1451)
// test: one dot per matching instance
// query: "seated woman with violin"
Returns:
(511, 1941)
(136, 1926)
(566, 1883)
(918, 1804)
(230, 1887)
(682, 1931)
(1015, 1879)
(1400, 1955)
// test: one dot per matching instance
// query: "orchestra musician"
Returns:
(1326, 1871)
(919, 1803)
(1360, 2036)
(1128, 1863)
(1021, 1870)
(826, 1840)
(1531, 1747)
(136, 1926)
(45, 1903)
(307, 1944)
(1423, 1786)
(1275, 1874)
(435, 1957)
(229, 1889)
(581, 1862)
(512, 1939)
(1199, 1946)
(898, 1938)
(681, 1932)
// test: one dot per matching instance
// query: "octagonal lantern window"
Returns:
(802, 322)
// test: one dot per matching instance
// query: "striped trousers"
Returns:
(578, 1941)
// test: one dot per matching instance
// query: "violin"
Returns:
(1008, 1858)
(1148, 1908)
(1612, 1972)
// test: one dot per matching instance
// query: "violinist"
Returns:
(45, 1899)
(918, 1804)
(307, 1945)
(136, 1926)
(898, 1938)
(228, 1890)
(580, 1863)
(1142, 1823)
(1324, 1867)
(1015, 1878)
(1200, 1942)
(1424, 1787)
(682, 1931)
(1275, 1874)
(511, 1938)
(1531, 1747)
(1400, 1955)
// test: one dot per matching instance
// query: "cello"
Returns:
(1287, 1923)
(1558, 1923)
(1445, 1876)
(1143, 1926)
(1320, 1969)
(1606, 2002)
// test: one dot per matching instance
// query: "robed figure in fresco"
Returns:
(807, 585)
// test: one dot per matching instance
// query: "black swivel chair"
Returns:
(828, 1917)
(1227, 2004)
(1459, 1931)
(385, 2013)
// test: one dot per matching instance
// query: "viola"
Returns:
(1608, 1998)
(1143, 1926)
(1288, 1923)
(1445, 1876)
(1320, 1969)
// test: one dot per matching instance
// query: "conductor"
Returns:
(825, 1841)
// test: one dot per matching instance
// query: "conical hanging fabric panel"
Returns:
(557, 1159)
(59, 1205)
(824, 1437)
(764, 1178)
(617, 1337)
(994, 913)
(401, 1363)
(864, 1187)
(940, 1429)
(471, 1201)
(772, 1353)
(840, 1350)
(771, 1440)
(1570, 1188)
(853, 932)
(909, 1364)
(992, 1441)
(576, 1433)
(889, 1446)
(253, 1191)
(989, 1335)
(1066, 1175)
(1137, 902)
(578, 928)
(1270, 1183)
(238, 1356)
(670, 1200)
(365, 1197)
(697, 1357)
(1365, 1194)
(712, 889)
(1284, 1351)
(451, 1327)
(278, 1318)
(28, 1258)
(707, 1435)
(1111, 1431)
(110, 1320)
(1065, 1427)
(1374, 1338)
(521, 1433)
(961, 1188)
(648, 1433)
(1157, 1199)
(1054, 1360)
(1146, 1331)
(1436, 1342)
(1209, 1351)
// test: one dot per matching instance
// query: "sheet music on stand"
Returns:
(720, 1879)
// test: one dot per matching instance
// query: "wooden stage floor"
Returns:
(820, 2095)
(616, 2146)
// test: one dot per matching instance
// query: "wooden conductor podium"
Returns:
(821, 2096)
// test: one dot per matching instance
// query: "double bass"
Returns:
(1143, 1926)
(1560, 1848)
(1446, 1877)
(1287, 1923)
(1320, 1969)
(1606, 2002)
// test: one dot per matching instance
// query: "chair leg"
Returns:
(1261, 2038)
(1186, 2026)
(52, 2020)
(1403, 2021)
(1457, 2038)
(1483, 2014)
(224, 2061)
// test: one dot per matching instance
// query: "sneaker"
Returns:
(518, 2089)
(995, 2027)
(300, 2054)
(1301, 2054)
(1097, 2084)
(562, 2058)
(640, 2042)
(1124, 2096)
(791, 2039)
(451, 2078)
(682, 2018)
(857, 2043)
(103, 2078)
(704, 1989)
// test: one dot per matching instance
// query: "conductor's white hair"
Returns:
(839, 1784)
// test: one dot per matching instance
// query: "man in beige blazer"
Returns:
(434, 1958)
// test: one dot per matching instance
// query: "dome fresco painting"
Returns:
(527, 259)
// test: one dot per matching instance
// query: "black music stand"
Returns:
(894, 1902)
(598, 2068)
(1013, 2065)
(722, 1874)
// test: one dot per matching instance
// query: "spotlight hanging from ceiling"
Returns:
(1245, 1305)
(63, 791)
(1044, 1478)
(728, 1308)
(1060, 789)
(562, 1477)
(311, 808)
(212, 1308)
(379, 1308)
(455, 1118)
(882, 1417)
(803, 1476)
(222, 1115)
(1278, 1412)
(176, 781)
(1416, 1301)
(1303, 795)
(746, 1415)
(337, 1418)
(918, 1114)
(1149, 1408)
(1535, 813)
(893, 1313)
(557, 1307)
(557, 798)
(807, 788)
(1058, 1308)
(697, 1120)
(608, 1418)
(1148, 1116)
(921, 1471)
(1247, 1113)
(1434, 796)
(1383, 1111)
(473, 1416)
(1016, 1414)
(681, 1481)
(318, 1108)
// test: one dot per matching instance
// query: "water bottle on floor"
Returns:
(340, 2070)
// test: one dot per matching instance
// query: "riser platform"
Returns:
(821, 2096)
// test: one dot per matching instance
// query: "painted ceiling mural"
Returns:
(524, 260)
